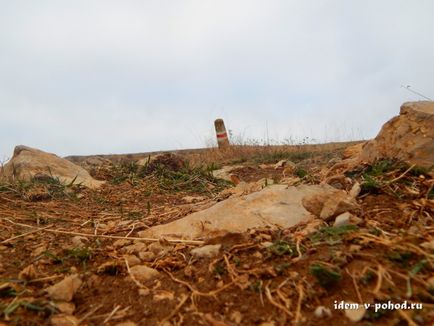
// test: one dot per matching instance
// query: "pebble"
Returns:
(144, 273)
(322, 311)
(207, 251)
(65, 289)
(64, 320)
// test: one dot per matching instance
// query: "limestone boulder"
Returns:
(28, 162)
(276, 206)
(408, 137)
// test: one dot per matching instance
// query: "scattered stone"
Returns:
(326, 205)
(64, 320)
(236, 317)
(144, 273)
(147, 256)
(67, 308)
(135, 248)
(158, 249)
(266, 244)
(39, 250)
(322, 311)
(355, 190)
(345, 219)
(65, 289)
(28, 162)
(77, 241)
(28, 273)
(132, 260)
(144, 292)
(207, 251)
(355, 315)
(121, 243)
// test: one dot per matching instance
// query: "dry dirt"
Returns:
(262, 277)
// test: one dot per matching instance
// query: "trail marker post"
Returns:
(222, 135)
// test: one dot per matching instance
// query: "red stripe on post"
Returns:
(223, 135)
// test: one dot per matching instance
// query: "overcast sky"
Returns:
(88, 77)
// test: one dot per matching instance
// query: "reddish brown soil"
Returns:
(245, 284)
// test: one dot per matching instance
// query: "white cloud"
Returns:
(121, 76)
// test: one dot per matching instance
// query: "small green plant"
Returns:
(370, 184)
(256, 286)
(56, 259)
(300, 172)
(281, 268)
(219, 269)
(400, 258)
(418, 267)
(280, 248)
(325, 276)
(82, 255)
(367, 278)
(332, 234)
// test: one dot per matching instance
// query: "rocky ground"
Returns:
(75, 256)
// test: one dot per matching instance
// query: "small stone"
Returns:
(64, 320)
(158, 249)
(66, 307)
(77, 241)
(132, 260)
(28, 273)
(143, 273)
(355, 190)
(121, 243)
(322, 311)
(134, 248)
(355, 315)
(38, 251)
(265, 237)
(65, 289)
(345, 219)
(266, 244)
(207, 251)
(146, 256)
(257, 254)
(236, 317)
(144, 292)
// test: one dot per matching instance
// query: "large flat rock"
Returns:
(28, 162)
(276, 206)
